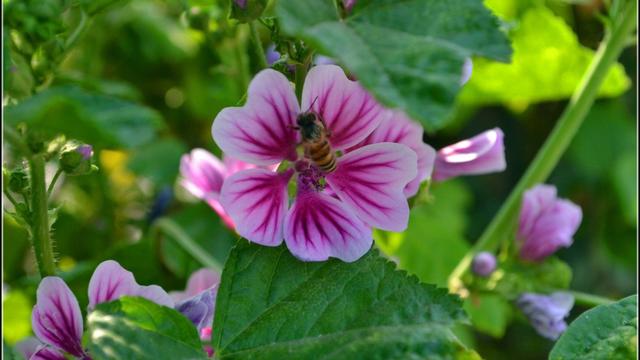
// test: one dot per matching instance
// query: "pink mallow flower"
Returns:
(203, 174)
(333, 213)
(481, 154)
(56, 317)
(546, 223)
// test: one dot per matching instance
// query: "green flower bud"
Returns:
(75, 158)
(247, 10)
(18, 181)
(198, 18)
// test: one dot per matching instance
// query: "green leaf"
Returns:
(136, 328)
(273, 306)
(548, 63)
(434, 241)
(144, 161)
(16, 322)
(204, 226)
(489, 313)
(409, 54)
(604, 332)
(102, 121)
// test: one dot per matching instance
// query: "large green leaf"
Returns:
(273, 306)
(136, 328)
(409, 53)
(102, 121)
(548, 62)
(605, 332)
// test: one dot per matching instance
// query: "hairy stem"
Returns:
(40, 234)
(257, 46)
(557, 142)
(186, 242)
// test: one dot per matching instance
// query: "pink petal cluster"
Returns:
(333, 213)
(481, 154)
(203, 174)
(546, 223)
(57, 319)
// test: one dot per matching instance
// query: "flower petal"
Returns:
(202, 280)
(319, 226)
(349, 112)
(56, 317)
(28, 346)
(534, 202)
(370, 180)
(199, 309)
(202, 173)
(399, 128)
(256, 200)
(45, 352)
(261, 132)
(156, 294)
(110, 281)
(481, 154)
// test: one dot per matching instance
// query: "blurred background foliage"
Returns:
(142, 80)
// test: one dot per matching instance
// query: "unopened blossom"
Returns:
(348, 4)
(547, 313)
(57, 319)
(198, 282)
(481, 154)
(202, 175)
(546, 223)
(33, 349)
(333, 213)
(467, 70)
(483, 264)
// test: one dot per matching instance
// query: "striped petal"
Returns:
(399, 128)
(261, 132)
(56, 317)
(371, 181)
(257, 201)
(319, 226)
(349, 112)
(110, 281)
(46, 353)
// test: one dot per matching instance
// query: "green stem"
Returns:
(589, 300)
(53, 182)
(257, 46)
(71, 40)
(40, 234)
(186, 242)
(557, 142)
(11, 199)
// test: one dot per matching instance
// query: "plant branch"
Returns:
(40, 232)
(589, 300)
(257, 46)
(53, 182)
(557, 142)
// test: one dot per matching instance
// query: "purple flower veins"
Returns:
(332, 214)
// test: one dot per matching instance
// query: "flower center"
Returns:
(309, 177)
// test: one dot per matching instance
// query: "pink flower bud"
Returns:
(546, 223)
(484, 263)
(481, 154)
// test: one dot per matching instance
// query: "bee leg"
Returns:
(293, 127)
(326, 129)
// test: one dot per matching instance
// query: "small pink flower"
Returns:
(56, 317)
(482, 154)
(396, 127)
(332, 214)
(203, 175)
(198, 282)
(33, 349)
(546, 223)
(348, 4)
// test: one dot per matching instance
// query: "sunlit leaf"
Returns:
(273, 306)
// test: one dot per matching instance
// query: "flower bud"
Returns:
(484, 263)
(546, 313)
(546, 223)
(348, 4)
(18, 181)
(199, 309)
(481, 154)
(247, 10)
(75, 158)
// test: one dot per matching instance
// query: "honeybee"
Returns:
(315, 141)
